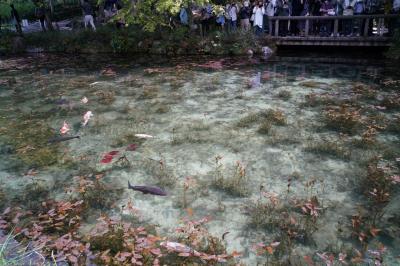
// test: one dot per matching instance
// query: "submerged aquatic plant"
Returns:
(284, 95)
(115, 242)
(330, 148)
(367, 92)
(276, 117)
(188, 183)
(236, 183)
(34, 194)
(94, 192)
(314, 100)
(105, 97)
(265, 127)
(29, 138)
(344, 118)
(195, 245)
(162, 174)
(392, 102)
(266, 117)
(291, 219)
(149, 93)
(248, 120)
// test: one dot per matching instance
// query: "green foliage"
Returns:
(151, 14)
(25, 8)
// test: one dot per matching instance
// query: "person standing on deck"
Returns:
(347, 24)
(233, 11)
(220, 20)
(297, 8)
(315, 7)
(326, 25)
(183, 16)
(270, 12)
(395, 23)
(305, 12)
(284, 11)
(245, 14)
(259, 12)
(396, 6)
(228, 17)
(88, 12)
(359, 9)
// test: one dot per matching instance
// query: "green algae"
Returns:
(30, 138)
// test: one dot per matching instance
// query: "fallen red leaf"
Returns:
(113, 153)
(107, 159)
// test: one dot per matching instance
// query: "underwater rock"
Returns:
(267, 51)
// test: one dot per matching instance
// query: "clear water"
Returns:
(193, 112)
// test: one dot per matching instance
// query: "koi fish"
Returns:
(178, 247)
(108, 72)
(84, 100)
(86, 117)
(65, 128)
(143, 136)
(148, 190)
(64, 104)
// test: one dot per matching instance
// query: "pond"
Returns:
(300, 156)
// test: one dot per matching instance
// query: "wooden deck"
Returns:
(333, 41)
(379, 37)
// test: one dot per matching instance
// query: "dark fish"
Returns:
(148, 190)
(61, 139)
(61, 101)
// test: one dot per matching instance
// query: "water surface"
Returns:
(205, 115)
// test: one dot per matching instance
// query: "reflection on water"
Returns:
(287, 160)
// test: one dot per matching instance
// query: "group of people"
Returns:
(111, 8)
(258, 14)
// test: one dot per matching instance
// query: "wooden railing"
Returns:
(364, 19)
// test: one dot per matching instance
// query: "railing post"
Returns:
(380, 26)
(336, 27)
(307, 28)
(277, 28)
(366, 27)
(270, 27)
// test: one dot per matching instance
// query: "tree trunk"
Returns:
(51, 7)
(48, 21)
(18, 27)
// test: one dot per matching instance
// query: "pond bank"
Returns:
(130, 41)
